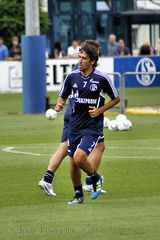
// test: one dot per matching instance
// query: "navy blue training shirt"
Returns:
(87, 91)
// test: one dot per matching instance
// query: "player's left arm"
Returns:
(95, 112)
(109, 88)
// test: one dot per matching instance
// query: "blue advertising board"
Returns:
(138, 64)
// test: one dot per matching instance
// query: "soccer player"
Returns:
(86, 123)
(61, 153)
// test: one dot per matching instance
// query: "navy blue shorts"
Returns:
(65, 132)
(64, 136)
(101, 138)
(86, 142)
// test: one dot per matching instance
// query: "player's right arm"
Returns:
(60, 104)
(63, 94)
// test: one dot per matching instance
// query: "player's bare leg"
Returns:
(80, 161)
(57, 157)
(96, 155)
(55, 161)
(95, 158)
(75, 173)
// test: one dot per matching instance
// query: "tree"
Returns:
(12, 19)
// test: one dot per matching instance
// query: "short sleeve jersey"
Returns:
(70, 105)
(87, 91)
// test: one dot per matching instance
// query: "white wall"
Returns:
(11, 73)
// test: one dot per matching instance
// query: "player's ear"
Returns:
(93, 62)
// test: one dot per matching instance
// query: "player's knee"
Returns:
(79, 157)
(101, 147)
(78, 160)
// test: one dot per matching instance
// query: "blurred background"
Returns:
(128, 33)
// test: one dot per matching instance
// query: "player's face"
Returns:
(84, 63)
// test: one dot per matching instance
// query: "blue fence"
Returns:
(138, 64)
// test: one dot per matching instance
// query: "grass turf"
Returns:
(130, 166)
(136, 97)
(145, 96)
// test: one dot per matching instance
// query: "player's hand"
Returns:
(93, 111)
(59, 107)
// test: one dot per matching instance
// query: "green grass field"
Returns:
(130, 166)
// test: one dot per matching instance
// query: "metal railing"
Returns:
(120, 86)
(123, 107)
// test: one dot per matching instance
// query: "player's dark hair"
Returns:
(91, 51)
(94, 43)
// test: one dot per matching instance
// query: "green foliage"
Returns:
(12, 19)
(44, 22)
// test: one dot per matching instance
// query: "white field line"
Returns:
(13, 150)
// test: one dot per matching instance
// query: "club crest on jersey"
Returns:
(93, 87)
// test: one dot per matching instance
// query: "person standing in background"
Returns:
(3, 50)
(113, 47)
(73, 50)
(157, 48)
(14, 50)
(123, 48)
(57, 50)
(146, 48)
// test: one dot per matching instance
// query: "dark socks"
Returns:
(78, 191)
(48, 177)
(95, 176)
(88, 180)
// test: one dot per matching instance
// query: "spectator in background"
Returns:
(15, 50)
(123, 48)
(146, 48)
(57, 51)
(3, 50)
(113, 48)
(73, 50)
(157, 48)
